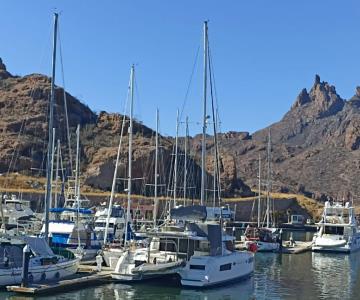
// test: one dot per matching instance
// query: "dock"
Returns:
(287, 248)
(296, 248)
(86, 276)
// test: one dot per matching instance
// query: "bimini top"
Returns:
(80, 210)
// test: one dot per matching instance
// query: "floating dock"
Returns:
(287, 247)
(86, 276)
(296, 247)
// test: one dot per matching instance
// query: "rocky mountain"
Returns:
(315, 147)
(23, 141)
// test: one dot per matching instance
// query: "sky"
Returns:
(263, 53)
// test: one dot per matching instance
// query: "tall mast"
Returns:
(77, 182)
(268, 180)
(203, 150)
(114, 182)
(51, 121)
(52, 167)
(185, 156)
(57, 172)
(176, 156)
(77, 188)
(156, 168)
(259, 194)
(130, 152)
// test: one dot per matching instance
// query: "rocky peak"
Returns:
(2, 65)
(321, 101)
(3, 73)
(301, 99)
(356, 97)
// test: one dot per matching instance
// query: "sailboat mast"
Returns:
(268, 180)
(77, 194)
(259, 194)
(51, 121)
(114, 182)
(52, 167)
(130, 153)
(176, 156)
(203, 150)
(57, 172)
(156, 168)
(185, 156)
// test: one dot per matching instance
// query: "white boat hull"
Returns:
(323, 244)
(208, 270)
(12, 276)
(111, 256)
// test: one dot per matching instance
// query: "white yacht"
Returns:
(148, 262)
(211, 258)
(338, 230)
(116, 223)
(18, 214)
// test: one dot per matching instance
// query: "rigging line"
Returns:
(32, 90)
(190, 81)
(217, 172)
(65, 102)
(215, 90)
(137, 102)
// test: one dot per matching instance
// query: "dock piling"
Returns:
(25, 266)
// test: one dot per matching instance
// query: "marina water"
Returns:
(277, 276)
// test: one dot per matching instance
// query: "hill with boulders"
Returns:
(24, 106)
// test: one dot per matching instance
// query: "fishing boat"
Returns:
(338, 230)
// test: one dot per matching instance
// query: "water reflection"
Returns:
(303, 276)
(336, 275)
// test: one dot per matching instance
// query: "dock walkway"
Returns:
(86, 276)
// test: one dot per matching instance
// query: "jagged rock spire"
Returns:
(321, 101)
(2, 65)
(317, 79)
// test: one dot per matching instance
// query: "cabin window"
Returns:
(225, 267)
(197, 267)
(334, 230)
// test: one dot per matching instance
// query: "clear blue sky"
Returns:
(264, 53)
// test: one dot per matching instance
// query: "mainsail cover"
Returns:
(38, 245)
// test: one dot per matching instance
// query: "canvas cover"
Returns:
(189, 213)
(38, 245)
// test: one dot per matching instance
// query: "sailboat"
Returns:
(266, 238)
(44, 264)
(73, 225)
(142, 261)
(212, 259)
